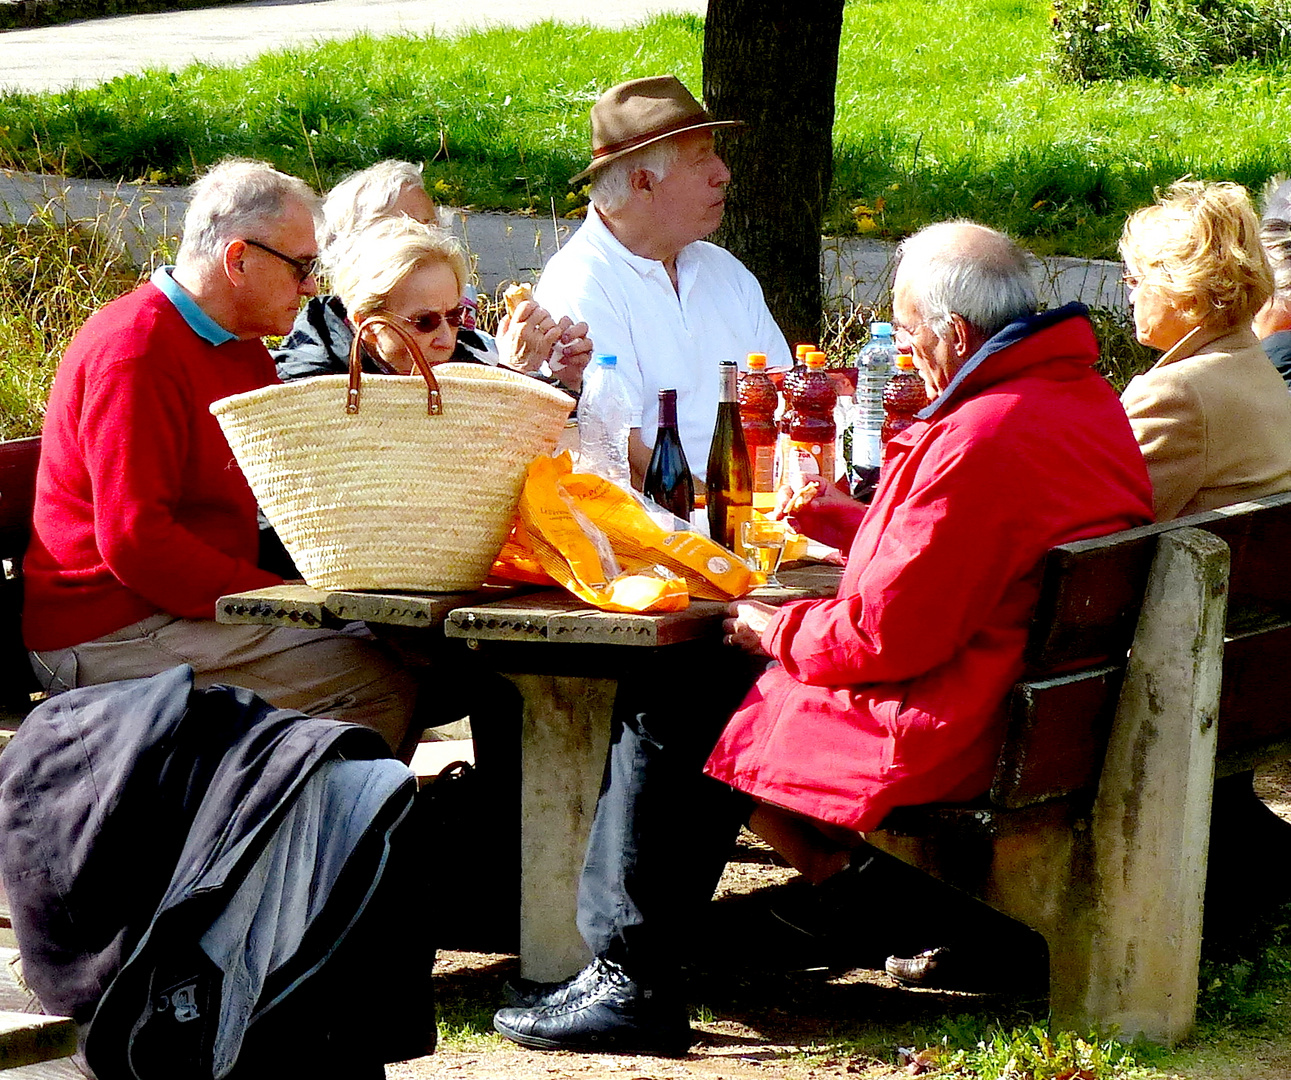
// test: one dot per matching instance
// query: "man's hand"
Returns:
(572, 353)
(745, 622)
(812, 490)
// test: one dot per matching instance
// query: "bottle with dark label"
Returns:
(812, 430)
(758, 402)
(729, 477)
(668, 481)
(903, 397)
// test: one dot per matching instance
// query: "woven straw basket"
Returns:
(390, 497)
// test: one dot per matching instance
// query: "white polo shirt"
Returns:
(663, 337)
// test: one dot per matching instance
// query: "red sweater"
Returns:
(140, 507)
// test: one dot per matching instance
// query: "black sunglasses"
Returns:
(305, 268)
(428, 322)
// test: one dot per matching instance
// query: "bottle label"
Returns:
(762, 458)
(803, 457)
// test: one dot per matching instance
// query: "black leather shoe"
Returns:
(611, 1014)
(528, 994)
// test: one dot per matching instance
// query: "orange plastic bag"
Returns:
(577, 555)
(599, 542)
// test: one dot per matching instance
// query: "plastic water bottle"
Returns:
(604, 420)
(873, 369)
(874, 365)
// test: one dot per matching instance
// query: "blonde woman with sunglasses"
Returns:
(414, 274)
(393, 191)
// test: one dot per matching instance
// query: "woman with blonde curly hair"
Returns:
(1212, 417)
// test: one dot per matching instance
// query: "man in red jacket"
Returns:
(142, 517)
(891, 694)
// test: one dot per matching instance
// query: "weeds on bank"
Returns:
(944, 108)
(54, 273)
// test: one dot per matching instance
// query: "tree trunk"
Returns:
(774, 65)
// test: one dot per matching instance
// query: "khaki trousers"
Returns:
(343, 674)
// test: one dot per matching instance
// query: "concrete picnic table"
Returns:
(565, 658)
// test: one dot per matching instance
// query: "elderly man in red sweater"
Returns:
(142, 518)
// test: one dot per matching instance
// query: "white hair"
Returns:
(234, 200)
(362, 198)
(965, 269)
(612, 184)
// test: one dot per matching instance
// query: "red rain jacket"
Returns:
(893, 693)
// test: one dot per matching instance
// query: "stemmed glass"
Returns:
(764, 540)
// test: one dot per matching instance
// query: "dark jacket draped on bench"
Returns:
(204, 880)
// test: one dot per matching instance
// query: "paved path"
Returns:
(82, 53)
(506, 246)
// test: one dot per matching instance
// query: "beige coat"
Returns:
(1213, 419)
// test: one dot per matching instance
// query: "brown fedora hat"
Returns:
(640, 112)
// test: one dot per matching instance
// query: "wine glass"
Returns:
(764, 540)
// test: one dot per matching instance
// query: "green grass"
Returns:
(943, 109)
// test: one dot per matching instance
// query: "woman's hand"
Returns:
(746, 620)
(527, 337)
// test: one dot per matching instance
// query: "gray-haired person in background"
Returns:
(1272, 323)
(319, 342)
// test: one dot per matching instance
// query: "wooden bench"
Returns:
(18, 460)
(1095, 829)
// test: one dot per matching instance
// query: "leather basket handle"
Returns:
(434, 403)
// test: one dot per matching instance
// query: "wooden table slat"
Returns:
(27, 1038)
(288, 604)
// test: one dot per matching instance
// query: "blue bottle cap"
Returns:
(607, 359)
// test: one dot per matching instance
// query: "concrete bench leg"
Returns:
(1150, 823)
(564, 740)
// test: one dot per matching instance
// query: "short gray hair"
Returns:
(966, 269)
(364, 197)
(234, 199)
(612, 184)
(1275, 235)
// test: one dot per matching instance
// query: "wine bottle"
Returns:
(729, 477)
(668, 481)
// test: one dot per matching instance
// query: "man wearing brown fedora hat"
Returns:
(668, 305)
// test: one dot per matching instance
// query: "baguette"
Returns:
(801, 498)
(517, 295)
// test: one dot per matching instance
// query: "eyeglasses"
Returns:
(305, 268)
(428, 321)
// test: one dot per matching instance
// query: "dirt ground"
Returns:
(764, 998)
